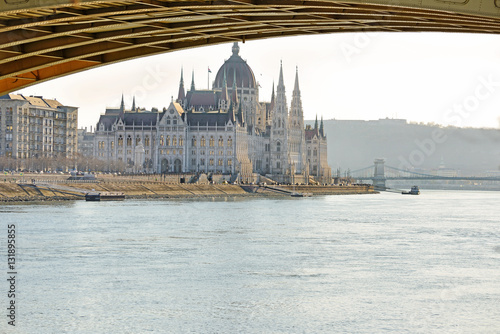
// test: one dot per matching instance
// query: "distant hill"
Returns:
(355, 144)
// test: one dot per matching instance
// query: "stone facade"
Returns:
(32, 127)
(86, 142)
(223, 130)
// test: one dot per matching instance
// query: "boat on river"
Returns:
(297, 194)
(104, 196)
(415, 190)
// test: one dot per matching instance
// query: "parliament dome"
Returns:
(235, 64)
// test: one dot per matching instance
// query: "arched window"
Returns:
(129, 140)
(120, 141)
(212, 141)
(174, 141)
(146, 141)
(229, 142)
(278, 147)
(137, 140)
(203, 142)
(168, 141)
(221, 142)
(162, 141)
(181, 141)
(193, 141)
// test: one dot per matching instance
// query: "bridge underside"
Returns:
(46, 39)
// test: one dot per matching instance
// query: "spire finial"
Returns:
(133, 104)
(236, 49)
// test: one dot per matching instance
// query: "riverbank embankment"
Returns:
(57, 189)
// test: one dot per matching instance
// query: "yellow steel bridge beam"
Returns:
(45, 39)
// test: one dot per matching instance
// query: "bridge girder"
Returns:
(45, 39)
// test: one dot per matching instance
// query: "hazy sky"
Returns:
(450, 79)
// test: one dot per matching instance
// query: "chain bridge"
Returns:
(45, 39)
(379, 173)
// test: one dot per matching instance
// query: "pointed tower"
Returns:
(296, 135)
(133, 104)
(234, 93)
(279, 132)
(182, 93)
(192, 82)
(122, 105)
(321, 128)
(316, 123)
(224, 98)
(271, 106)
(296, 114)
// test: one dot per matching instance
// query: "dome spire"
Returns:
(236, 49)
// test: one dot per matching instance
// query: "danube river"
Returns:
(383, 263)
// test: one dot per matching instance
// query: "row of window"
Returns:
(212, 152)
(211, 162)
(165, 141)
(211, 142)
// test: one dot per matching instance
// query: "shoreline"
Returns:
(11, 192)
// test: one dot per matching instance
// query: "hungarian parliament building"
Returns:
(224, 130)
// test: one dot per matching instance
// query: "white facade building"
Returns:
(223, 130)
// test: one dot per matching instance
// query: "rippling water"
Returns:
(331, 264)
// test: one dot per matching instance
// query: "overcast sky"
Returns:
(450, 79)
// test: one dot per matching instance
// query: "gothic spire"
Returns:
(296, 86)
(321, 129)
(281, 84)
(192, 82)
(182, 94)
(272, 99)
(122, 104)
(316, 123)
(133, 104)
(224, 95)
(296, 105)
(234, 96)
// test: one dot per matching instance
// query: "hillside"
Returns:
(355, 144)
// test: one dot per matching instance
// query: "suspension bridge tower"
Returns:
(379, 174)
